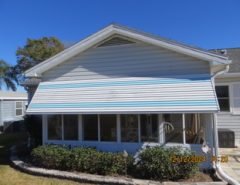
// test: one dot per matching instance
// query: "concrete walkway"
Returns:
(232, 167)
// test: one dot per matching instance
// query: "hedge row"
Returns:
(80, 159)
(152, 163)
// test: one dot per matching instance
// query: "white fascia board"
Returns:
(229, 75)
(90, 41)
(111, 30)
(197, 54)
(12, 98)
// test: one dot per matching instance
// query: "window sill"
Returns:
(224, 112)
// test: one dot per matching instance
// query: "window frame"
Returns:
(230, 97)
(138, 128)
(47, 135)
(19, 108)
(161, 138)
(99, 129)
(63, 127)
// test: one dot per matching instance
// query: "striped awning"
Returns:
(126, 95)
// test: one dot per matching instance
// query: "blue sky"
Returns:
(203, 23)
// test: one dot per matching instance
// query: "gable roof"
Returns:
(113, 29)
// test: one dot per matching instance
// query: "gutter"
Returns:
(217, 166)
(230, 75)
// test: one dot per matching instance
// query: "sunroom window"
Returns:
(70, 127)
(129, 128)
(108, 127)
(223, 97)
(55, 127)
(173, 128)
(149, 127)
(90, 127)
(194, 129)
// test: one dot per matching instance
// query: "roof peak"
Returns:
(115, 28)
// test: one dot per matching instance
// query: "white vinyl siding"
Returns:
(131, 60)
(236, 98)
(230, 120)
(8, 112)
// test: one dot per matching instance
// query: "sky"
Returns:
(203, 23)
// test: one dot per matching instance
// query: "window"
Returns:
(70, 127)
(194, 129)
(108, 127)
(149, 128)
(223, 97)
(55, 127)
(129, 128)
(90, 127)
(19, 108)
(173, 128)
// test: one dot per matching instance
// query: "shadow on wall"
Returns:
(33, 125)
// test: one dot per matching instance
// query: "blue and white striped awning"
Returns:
(125, 95)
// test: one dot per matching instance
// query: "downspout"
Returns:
(217, 166)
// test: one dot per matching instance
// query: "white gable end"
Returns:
(112, 30)
(127, 60)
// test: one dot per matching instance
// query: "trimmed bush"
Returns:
(153, 163)
(157, 163)
(80, 159)
(51, 156)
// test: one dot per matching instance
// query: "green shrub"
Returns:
(51, 156)
(152, 163)
(157, 163)
(80, 159)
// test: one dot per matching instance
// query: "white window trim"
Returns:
(230, 93)
(183, 127)
(118, 129)
(19, 108)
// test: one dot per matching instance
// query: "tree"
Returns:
(6, 76)
(34, 52)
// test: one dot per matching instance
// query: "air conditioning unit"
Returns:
(226, 138)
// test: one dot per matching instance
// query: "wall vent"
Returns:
(115, 41)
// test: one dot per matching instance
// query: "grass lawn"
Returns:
(10, 176)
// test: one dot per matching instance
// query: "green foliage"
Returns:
(80, 159)
(34, 52)
(157, 163)
(6, 76)
(154, 163)
(51, 156)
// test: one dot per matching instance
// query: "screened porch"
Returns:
(130, 132)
